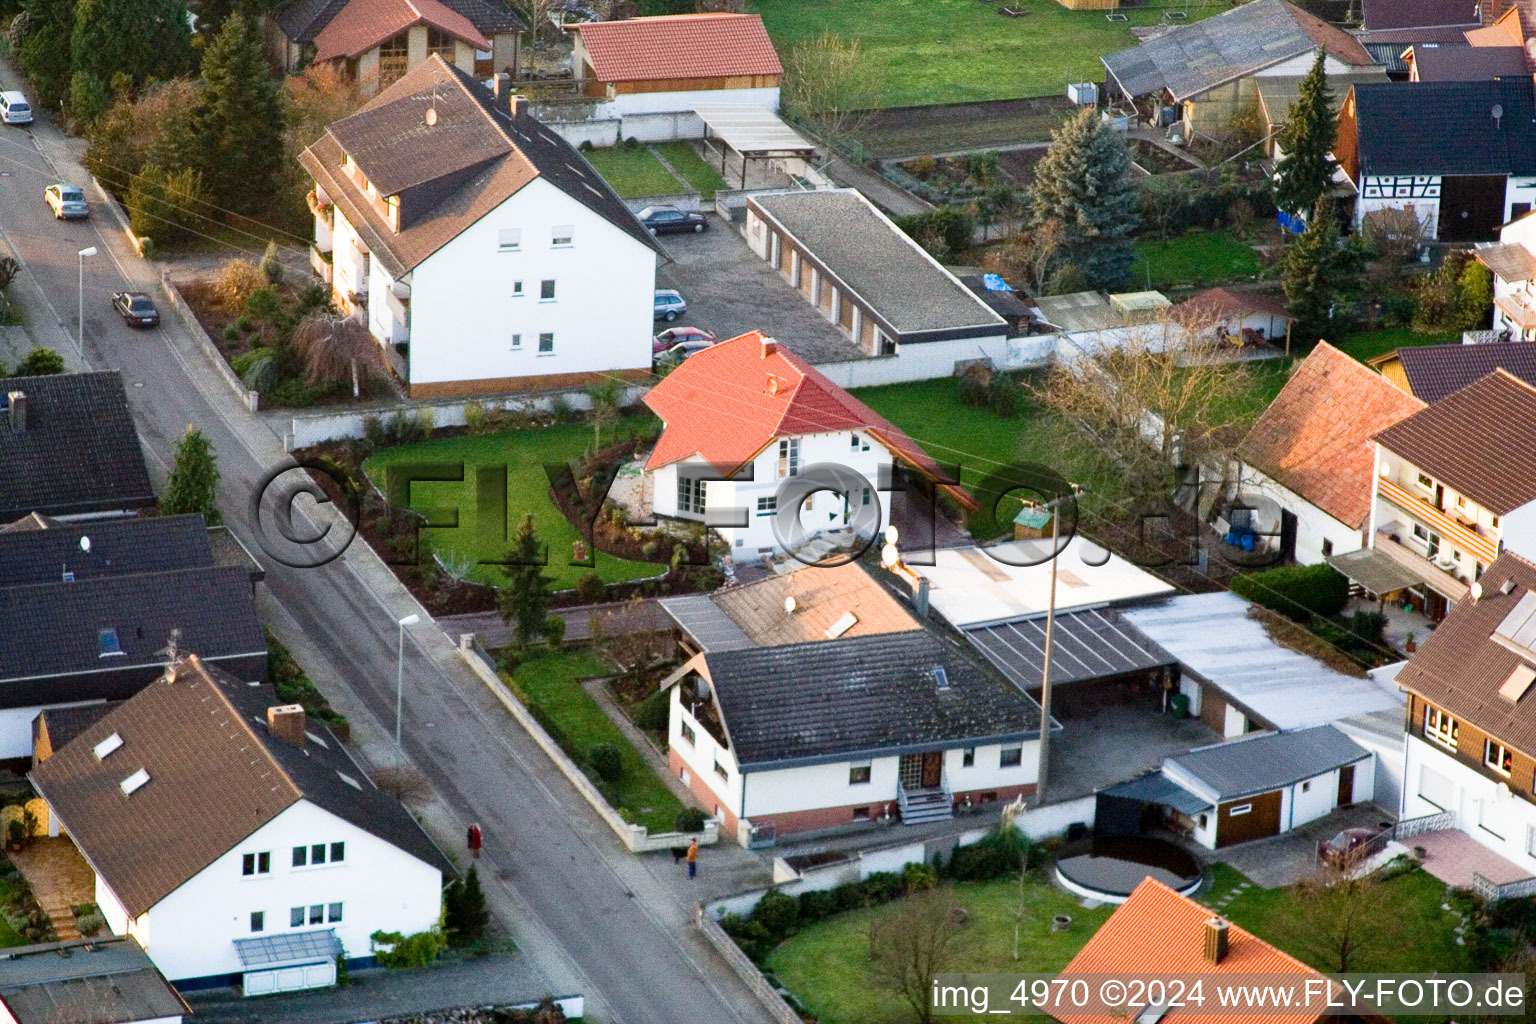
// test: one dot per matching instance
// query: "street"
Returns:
(592, 918)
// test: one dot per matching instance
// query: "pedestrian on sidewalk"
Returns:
(693, 858)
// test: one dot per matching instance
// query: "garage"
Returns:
(1251, 818)
(288, 963)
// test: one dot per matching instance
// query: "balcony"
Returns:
(1519, 309)
(1435, 577)
(320, 263)
(1484, 549)
(319, 205)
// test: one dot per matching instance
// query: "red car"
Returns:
(694, 337)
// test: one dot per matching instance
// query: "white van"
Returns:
(14, 108)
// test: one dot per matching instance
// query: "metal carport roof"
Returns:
(752, 131)
(1089, 644)
(704, 621)
(1157, 788)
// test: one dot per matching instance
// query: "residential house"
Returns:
(478, 244)
(1513, 263)
(1471, 734)
(744, 419)
(1208, 71)
(1460, 155)
(270, 854)
(676, 62)
(103, 980)
(88, 611)
(875, 283)
(1432, 372)
(68, 448)
(1393, 28)
(1311, 455)
(782, 739)
(1253, 787)
(1452, 490)
(378, 41)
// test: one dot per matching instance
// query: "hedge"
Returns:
(1296, 591)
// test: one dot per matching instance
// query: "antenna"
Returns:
(172, 649)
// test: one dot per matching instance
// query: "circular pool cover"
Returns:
(1109, 868)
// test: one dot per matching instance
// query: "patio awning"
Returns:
(1374, 571)
(753, 131)
(1091, 644)
(292, 949)
(1157, 788)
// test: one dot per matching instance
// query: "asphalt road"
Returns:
(592, 918)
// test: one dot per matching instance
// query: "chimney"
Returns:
(920, 600)
(18, 403)
(768, 346)
(506, 102)
(1216, 939)
(286, 722)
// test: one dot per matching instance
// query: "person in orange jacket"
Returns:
(693, 858)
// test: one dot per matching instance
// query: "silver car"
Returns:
(669, 304)
(66, 201)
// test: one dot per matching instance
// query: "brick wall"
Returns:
(707, 798)
(1469, 750)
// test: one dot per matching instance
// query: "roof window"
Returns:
(940, 677)
(133, 783)
(349, 780)
(107, 745)
(110, 644)
(844, 623)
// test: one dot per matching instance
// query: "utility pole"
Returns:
(1050, 627)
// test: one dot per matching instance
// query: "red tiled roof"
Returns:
(1331, 38)
(1315, 437)
(364, 24)
(1221, 303)
(731, 400)
(1157, 931)
(1506, 30)
(679, 46)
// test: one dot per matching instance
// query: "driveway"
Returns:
(730, 291)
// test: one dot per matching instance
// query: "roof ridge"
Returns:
(207, 679)
(1500, 371)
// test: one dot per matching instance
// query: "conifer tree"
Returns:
(1307, 272)
(139, 39)
(1084, 183)
(1307, 139)
(194, 482)
(525, 603)
(239, 123)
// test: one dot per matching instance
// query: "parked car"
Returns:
(66, 201)
(682, 350)
(665, 220)
(14, 108)
(136, 309)
(669, 305)
(678, 335)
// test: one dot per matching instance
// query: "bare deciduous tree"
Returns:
(535, 14)
(335, 349)
(1339, 913)
(1029, 258)
(1396, 234)
(405, 783)
(831, 88)
(915, 939)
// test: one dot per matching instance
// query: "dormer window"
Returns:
(392, 211)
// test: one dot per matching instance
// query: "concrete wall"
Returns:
(930, 360)
(603, 124)
(1313, 525)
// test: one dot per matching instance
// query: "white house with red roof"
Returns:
(750, 426)
(676, 62)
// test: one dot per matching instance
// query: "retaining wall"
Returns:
(745, 969)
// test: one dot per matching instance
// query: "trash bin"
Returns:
(1179, 705)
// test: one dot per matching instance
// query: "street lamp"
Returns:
(1050, 626)
(409, 620)
(89, 250)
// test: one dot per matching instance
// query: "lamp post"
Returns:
(1050, 626)
(409, 620)
(89, 250)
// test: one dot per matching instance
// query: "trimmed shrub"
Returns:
(554, 632)
(1296, 591)
(982, 860)
(1004, 396)
(655, 712)
(1368, 626)
(750, 935)
(690, 819)
(606, 760)
(817, 904)
(919, 877)
(945, 228)
(590, 588)
(407, 951)
(778, 913)
(850, 896)
(884, 886)
(263, 304)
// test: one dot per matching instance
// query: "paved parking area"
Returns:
(730, 291)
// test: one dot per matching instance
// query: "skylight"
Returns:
(940, 677)
(134, 782)
(844, 623)
(1518, 682)
(110, 644)
(1517, 630)
(107, 745)
(349, 780)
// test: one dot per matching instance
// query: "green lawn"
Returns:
(523, 453)
(952, 51)
(686, 160)
(1193, 259)
(551, 683)
(825, 965)
(1364, 345)
(9, 936)
(633, 172)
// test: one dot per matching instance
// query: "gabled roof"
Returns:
(1506, 30)
(1158, 932)
(1461, 668)
(1264, 762)
(1445, 127)
(79, 452)
(731, 400)
(1315, 437)
(107, 980)
(304, 20)
(1278, 92)
(1435, 372)
(673, 46)
(452, 173)
(1468, 63)
(823, 595)
(1480, 441)
(363, 24)
(1380, 14)
(114, 547)
(1192, 59)
(805, 703)
(1219, 302)
(215, 777)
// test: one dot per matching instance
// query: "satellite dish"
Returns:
(85, 544)
(891, 534)
(1476, 590)
(432, 115)
(889, 556)
(1497, 111)
(789, 605)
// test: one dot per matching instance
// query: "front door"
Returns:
(1440, 497)
(933, 770)
(1346, 785)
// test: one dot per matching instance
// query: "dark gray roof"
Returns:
(85, 981)
(1438, 371)
(1004, 304)
(706, 623)
(303, 20)
(1269, 761)
(79, 452)
(64, 724)
(875, 260)
(489, 16)
(1088, 644)
(293, 948)
(1415, 13)
(811, 702)
(118, 547)
(1446, 127)
(1389, 53)
(1469, 64)
(52, 629)
(1157, 788)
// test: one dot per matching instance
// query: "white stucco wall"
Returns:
(1436, 781)
(191, 932)
(16, 726)
(1421, 194)
(349, 261)
(464, 312)
(987, 772)
(702, 754)
(1518, 190)
(667, 102)
(1313, 525)
(810, 787)
(1518, 531)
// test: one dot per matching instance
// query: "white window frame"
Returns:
(1238, 810)
(546, 343)
(509, 240)
(1440, 727)
(1002, 757)
(968, 757)
(691, 737)
(562, 236)
(1494, 756)
(517, 289)
(789, 457)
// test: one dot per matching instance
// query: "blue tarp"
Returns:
(993, 283)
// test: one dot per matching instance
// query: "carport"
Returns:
(741, 137)
(1125, 809)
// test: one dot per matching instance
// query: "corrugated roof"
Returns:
(1085, 645)
(706, 623)
(86, 981)
(1157, 788)
(710, 45)
(1278, 92)
(1264, 762)
(1374, 570)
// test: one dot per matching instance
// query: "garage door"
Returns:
(288, 979)
(1250, 818)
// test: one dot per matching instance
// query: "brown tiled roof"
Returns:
(1481, 441)
(679, 46)
(822, 596)
(1459, 668)
(1439, 371)
(449, 174)
(1467, 63)
(1335, 40)
(1218, 302)
(364, 24)
(1505, 30)
(1315, 437)
(1511, 261)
